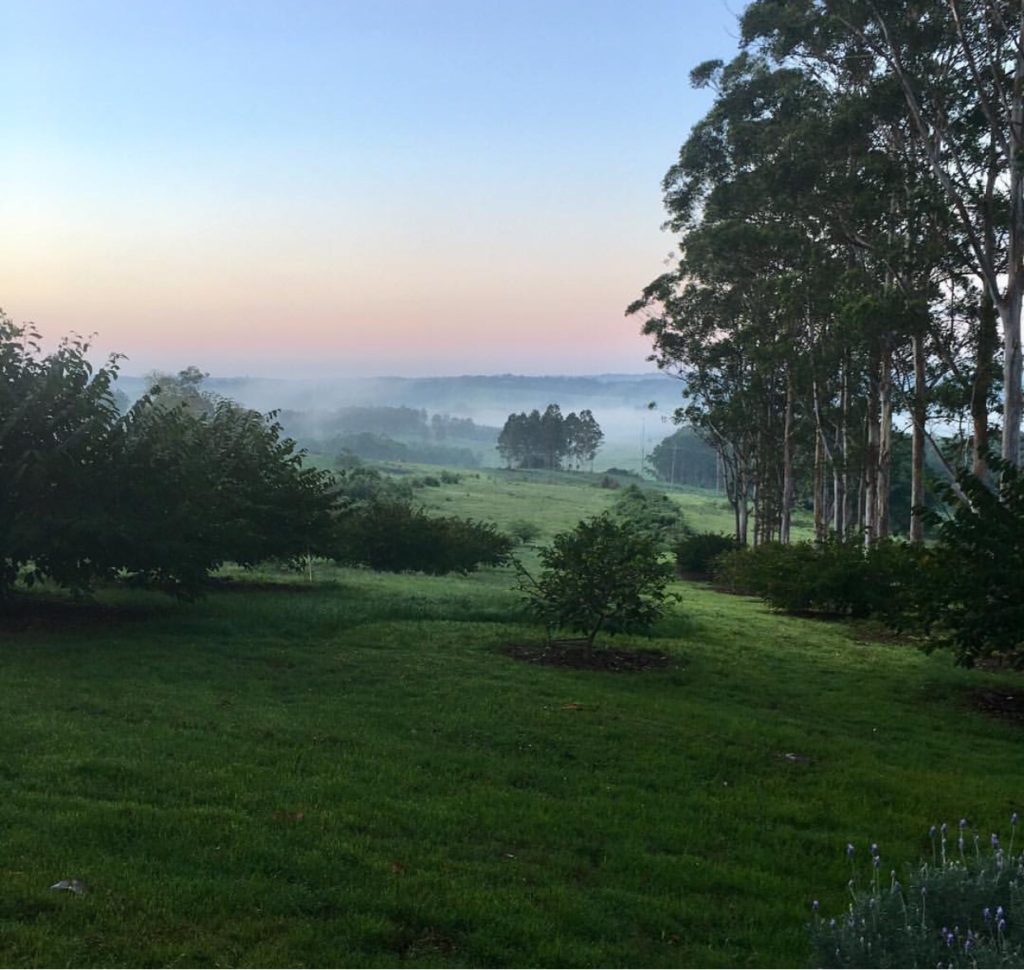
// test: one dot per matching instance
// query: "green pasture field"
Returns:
(556, 500)
(350, 772)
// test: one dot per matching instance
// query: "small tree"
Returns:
(601, 575)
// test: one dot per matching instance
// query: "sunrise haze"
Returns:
(345, 189)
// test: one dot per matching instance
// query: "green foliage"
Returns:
(58, 423)
(524, 530)
(361, 484)
(684, 459)
(395, 536)
(652, 514)
(964, 908)
(696, 553)
(976, 593)
(602, 575)
(160, 496)
(834, 578)
(191, 492)
(537, 440)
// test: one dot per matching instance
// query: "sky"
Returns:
(310, 189)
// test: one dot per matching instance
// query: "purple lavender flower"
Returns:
(874, 848)
(986, 914)
(1001, 926)
(963, 824)
(815, 905)
(876, 861)
(849, 850)
(1014, 818)
(999, 912)
(995, 841)
(943, 828)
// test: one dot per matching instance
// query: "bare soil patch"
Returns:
(577, 655)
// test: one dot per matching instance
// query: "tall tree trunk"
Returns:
(871, 454)
(1010, 311)
(820, 527)
(918, 441)
(843, 507)
(982, 384)
(883, 489)
(787, 463)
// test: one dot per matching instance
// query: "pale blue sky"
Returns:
(401, 187)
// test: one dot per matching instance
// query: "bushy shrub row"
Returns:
(964, 591)
(394, 536)
(834, 577)
(696, 553)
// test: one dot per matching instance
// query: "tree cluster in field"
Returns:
(685, 458)
(180, 483)
(850, 222)
(548, 440)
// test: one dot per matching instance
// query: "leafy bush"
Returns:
(696, 553)
(602, 575)
(450, 478)
(976, 590)
(397, 537)
(963, 908)
(161, 495)
(652, 514)
(524, 530)
(361, 484)
(835, 578)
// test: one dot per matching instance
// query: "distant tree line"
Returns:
(383, 433)
(549, 440)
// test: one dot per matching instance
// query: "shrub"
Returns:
(524, 530)
(695, 554)
(608, 482)
(450, 478)
(963, 908)
(834, 577)
(976, 594)
(397, 537)
(651, 513)
(602, 575)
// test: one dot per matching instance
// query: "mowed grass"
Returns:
(351, 773)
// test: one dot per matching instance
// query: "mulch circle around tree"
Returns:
(577, 655)
(1000, 703)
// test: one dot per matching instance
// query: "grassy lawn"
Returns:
(350, 773)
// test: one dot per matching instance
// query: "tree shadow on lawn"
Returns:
(50, 613)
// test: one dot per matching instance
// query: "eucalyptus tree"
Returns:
(957, 68)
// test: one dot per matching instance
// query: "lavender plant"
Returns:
(962, 908)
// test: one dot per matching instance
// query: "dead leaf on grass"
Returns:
(283, 816)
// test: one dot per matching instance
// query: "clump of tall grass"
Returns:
(962, 908)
